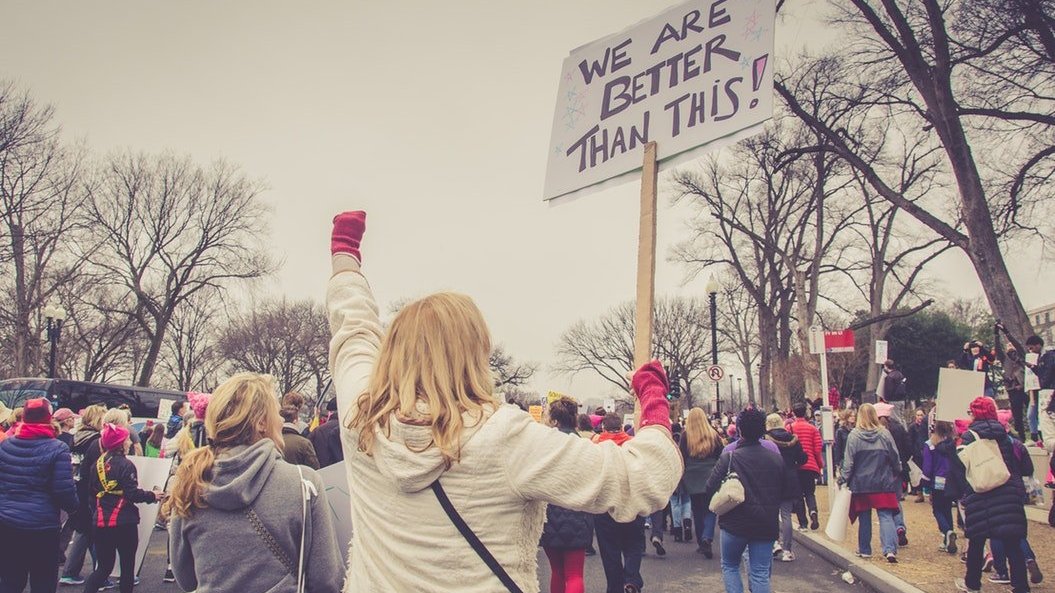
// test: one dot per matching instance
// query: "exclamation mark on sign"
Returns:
(756, 76)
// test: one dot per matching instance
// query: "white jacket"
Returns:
(511, 466)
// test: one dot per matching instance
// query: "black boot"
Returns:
(686, 527)
(677, 533)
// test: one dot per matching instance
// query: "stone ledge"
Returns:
(879, 580)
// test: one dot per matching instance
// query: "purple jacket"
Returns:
(766, 444)
(936, 461)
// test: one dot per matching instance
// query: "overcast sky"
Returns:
(434, 117)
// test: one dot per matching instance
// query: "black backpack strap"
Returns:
(477, 545)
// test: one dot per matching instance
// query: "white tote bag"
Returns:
(915, 474)
(839, 519)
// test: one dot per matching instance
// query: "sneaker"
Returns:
(1033, 568)
(987, 565)
(891, 558)
(814, 523)
(788, 556)
(963, 557)
(658, 544)
(589, 552)
(902, 538)
(705, 549)
(109, 584)
(171, 578)
(962, 586)
(631, 589)
(862, 555)
(921, 498)
(950, 542)
(1000, 579)
(942, 548)
(777, 551)
(71, 581)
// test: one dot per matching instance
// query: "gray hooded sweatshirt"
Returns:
(248, 537)
(871, 463)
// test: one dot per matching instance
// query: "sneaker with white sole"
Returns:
(658, 544)
(950, 542)
(71, 581)
(169, 577)
(902, 537)
(787, 556)
(961, 585)
(987, 564)
(999, 579)
(862, 555)
(891, 558)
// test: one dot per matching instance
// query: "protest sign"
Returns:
(956, 389)
(1031, 381)
(164, 409)
(694, 78)
(609, 404)
(882, 350)
(553, 396)
(335, 484)
(536, 412)
(152, 473)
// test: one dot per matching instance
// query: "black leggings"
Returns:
(30, 555)
(109, 542)
(808, 483)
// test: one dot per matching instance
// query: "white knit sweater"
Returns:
(511, 466)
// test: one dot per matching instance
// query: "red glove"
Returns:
(651, 386)
(348, 229)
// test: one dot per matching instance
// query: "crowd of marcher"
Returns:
(453, 491)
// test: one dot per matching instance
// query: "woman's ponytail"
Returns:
(195, 471)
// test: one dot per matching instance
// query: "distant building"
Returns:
(1043, 320)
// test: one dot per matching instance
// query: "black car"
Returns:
(143, 402)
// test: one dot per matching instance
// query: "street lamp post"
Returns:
(712, 292)
(54, 315)
(740, 388)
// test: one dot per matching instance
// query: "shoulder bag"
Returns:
(474, 541)
(307, 492)
(731, 493)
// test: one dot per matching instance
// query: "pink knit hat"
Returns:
(1004, 416)
(883, 409)
(113, 436)
(199, 402)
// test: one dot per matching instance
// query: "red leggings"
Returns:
(566, 567)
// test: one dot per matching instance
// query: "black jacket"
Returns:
(999, 513)
(918, 436)
(766, 484)
(894, 386)
(327, 442)
(903, 442)
(115, 510)
(792, 454)
(566, 529)
(85, 445)
(839, 447)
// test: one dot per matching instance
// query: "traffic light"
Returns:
(675, 387)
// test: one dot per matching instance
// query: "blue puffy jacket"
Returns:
(36, 480)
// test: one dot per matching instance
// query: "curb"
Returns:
(879, 580)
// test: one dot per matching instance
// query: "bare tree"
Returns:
(41, 223)
(98, 339)
(171, 228)
(190, 359)
(952, 69)
(680, 339)
(508, 372)
(283, 339)
(738, 326)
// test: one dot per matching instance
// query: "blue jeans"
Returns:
(621, 546)
(702, 517)
(80, 545)
(760, 563)
(996, 546)
(1032, 414)
(942, 508)
(679, 508)
(887, 532)
(899, 518)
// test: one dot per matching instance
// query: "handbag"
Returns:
(474, 541)
(985, 467)
(731, 493)
(307, 491)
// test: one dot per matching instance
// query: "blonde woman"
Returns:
(872, 470)
(701, 445)
(123, 418)
(86, 451)
(419, 409)
(237, 499)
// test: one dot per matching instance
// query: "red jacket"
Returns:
(616, 437)
(811, 441)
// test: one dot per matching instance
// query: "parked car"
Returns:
(143, 402)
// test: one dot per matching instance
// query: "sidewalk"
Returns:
(920, 564)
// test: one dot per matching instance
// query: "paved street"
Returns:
(681, 571)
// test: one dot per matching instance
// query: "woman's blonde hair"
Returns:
(242, 411)
(92, 417)
(867, 418)
(701, 439)
(436, 353)
(117, 417)
(774, 421)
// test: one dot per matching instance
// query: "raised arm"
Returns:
(634, 479)
(354, 321)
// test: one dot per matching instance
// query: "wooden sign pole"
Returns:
(646, 264)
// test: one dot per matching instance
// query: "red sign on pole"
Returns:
(840, 341)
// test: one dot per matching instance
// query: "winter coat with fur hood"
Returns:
(510, 467)
(792, 454)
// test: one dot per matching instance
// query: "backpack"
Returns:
(985, 465)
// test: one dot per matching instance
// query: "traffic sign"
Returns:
(715, 373)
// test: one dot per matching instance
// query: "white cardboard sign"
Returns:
(1032, 381)
(956, 389)
(881, 351)
(694, 78)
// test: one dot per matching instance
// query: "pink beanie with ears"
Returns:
(962, 424)
(199, 402)
(1004, 416)
(113, 436)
